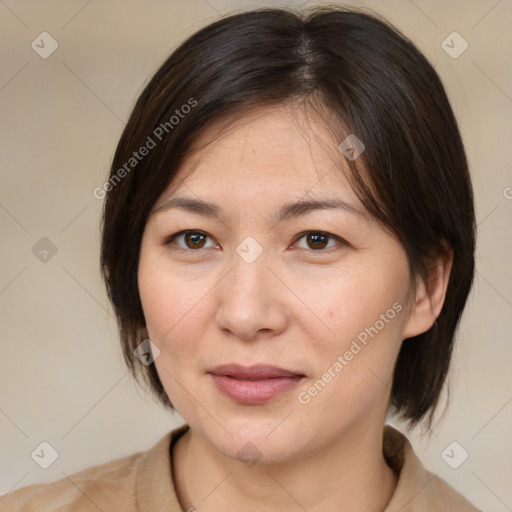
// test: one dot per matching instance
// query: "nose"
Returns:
(252, 302)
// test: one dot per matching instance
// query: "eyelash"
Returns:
(170, 239)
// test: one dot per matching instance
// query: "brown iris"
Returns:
(319, 241)
(197, 240)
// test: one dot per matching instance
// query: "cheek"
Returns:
(365, 315)
(174, 321)
(173, 325)
(351, 303)
(352, 377)
(174, 301)
(174, 313)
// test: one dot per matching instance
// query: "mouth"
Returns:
(253, 385)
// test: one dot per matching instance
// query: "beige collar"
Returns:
(417, 491)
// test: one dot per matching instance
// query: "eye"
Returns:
(191, 239)
(319, 240)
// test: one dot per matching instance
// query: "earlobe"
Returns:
(430, 294)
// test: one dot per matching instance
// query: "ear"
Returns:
(430, 293)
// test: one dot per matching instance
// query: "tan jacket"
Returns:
(143, 483)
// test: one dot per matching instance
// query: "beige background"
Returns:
(61, 373)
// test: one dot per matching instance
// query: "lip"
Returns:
(253, 385)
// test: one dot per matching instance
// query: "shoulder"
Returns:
(142, 481)
(444, 497)
(108, 486)
(417, 490)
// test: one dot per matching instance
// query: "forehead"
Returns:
(285, 149)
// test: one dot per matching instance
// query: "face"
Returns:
(277, 325)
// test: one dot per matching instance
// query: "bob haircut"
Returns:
(371, 81)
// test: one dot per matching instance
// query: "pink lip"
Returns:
(255, 384)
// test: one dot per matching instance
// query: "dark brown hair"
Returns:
(412, 177)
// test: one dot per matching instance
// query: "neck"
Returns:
(350, 474)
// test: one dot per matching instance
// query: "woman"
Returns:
(288, 242)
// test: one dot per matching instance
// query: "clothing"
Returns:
(143, 482)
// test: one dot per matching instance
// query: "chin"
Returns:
(258, 439)
(261, 450)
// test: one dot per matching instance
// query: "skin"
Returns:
(295, 306)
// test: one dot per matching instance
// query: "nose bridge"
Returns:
(247, 280)
(248, 302)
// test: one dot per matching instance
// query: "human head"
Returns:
(365, 79)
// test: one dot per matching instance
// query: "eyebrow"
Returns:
(285, 212)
